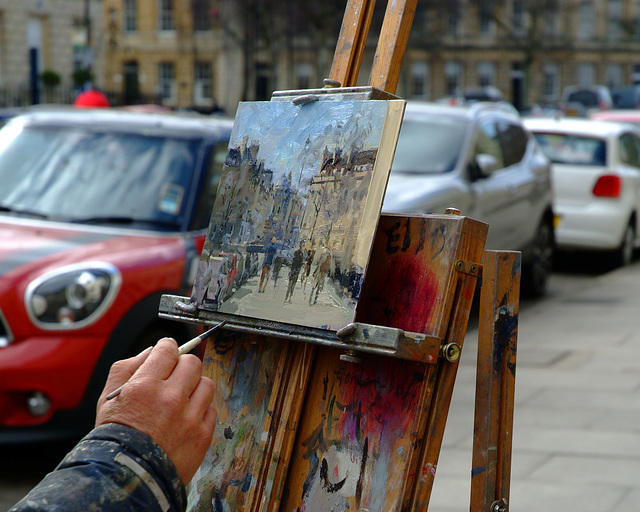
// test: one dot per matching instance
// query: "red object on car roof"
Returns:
(91, 99)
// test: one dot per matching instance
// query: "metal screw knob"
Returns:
(330, 83)
(451, 352)
(499, 506)
(351, 356)
(452, 211)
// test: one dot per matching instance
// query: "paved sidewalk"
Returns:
(576, 443)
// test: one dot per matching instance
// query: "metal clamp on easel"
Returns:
(353, 337)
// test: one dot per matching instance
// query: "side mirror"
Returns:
(487, 164)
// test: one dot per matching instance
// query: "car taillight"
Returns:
(608, 186)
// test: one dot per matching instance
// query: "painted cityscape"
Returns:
(296, 209)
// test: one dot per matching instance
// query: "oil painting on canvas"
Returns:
(294, 217)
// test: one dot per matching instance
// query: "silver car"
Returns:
(480, 160)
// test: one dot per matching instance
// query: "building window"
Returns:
(303, 72)
(487, 22)
(202, 83)
(551, 20)
(130, 16)
(586, 74)
(453, 20)
(201, 12)
(518, 16)
(550, 72)
(615, 20)
(586, 21)
(453, 76)
(419, 80)
(79, 43)
(486, 74)
(166, 81)
(165, 13)
(614, 75)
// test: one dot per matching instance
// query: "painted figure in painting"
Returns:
(269, 254)
(321, 272)
(294, 271)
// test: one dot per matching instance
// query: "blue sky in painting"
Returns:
(282, 130)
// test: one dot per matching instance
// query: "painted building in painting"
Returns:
(53, 36)
(338, 191)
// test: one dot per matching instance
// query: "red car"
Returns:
(101, 212)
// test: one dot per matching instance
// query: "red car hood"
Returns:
(29, 248)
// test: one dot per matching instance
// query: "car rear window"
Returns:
(562, 148)
(586, 98)
(429, 145)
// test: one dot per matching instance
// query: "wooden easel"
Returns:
(344, 425)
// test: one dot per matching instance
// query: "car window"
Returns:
(565, 148)
(586, 98)
(48, 171)
(429, 145)
(215, 161)
(488, 142)
(514, 142)
(630, 150)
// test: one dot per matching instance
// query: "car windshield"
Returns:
(94, 176)
(428, 146)
(562, 148)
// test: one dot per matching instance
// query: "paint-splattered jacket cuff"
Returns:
(114, 468)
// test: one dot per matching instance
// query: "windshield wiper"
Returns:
(17, 211)
(115, 219)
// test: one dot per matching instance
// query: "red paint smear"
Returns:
(411, 293)
(379, 402)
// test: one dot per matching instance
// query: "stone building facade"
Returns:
(47, 35)
(198, 53)
(169, 52)
(530, 50)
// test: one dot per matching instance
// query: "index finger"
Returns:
(161, 361)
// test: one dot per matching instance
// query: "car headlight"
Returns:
(72, 297)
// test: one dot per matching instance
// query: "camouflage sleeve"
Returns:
(114, 468)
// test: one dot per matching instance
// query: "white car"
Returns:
(596, 183)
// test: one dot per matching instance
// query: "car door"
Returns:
(497, 196)
(526, 178)
(629, 152)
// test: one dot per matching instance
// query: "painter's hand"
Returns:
(167, 398)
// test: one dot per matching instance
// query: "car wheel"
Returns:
(537, 270)
(624, 254)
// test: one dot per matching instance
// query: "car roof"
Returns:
(468, 112)
(617, 115)
(103, 119)
(573, 125)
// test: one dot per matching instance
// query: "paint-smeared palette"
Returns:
(296, 210)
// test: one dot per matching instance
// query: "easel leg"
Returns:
(495, 381)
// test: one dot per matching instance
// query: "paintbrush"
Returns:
(182, 349)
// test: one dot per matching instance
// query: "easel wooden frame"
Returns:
(497, 338)
(295, 365)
